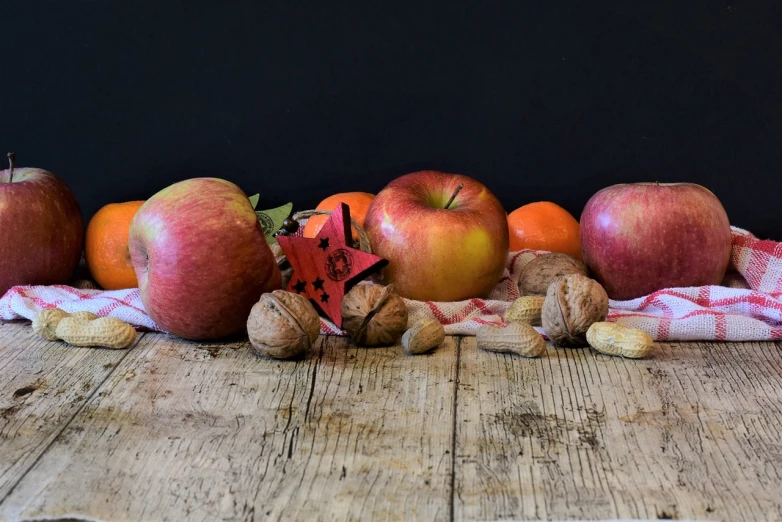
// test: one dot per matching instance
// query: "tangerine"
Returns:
(544, 225)
(106, 246)
(357, 201)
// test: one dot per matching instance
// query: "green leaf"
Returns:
(254, 199)
(271, 220)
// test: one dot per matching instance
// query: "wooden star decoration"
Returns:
(271, 219)
(325, 268)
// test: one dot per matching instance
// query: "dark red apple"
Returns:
(201, 258)
(442, 242)
(638, 238)
(41, 228)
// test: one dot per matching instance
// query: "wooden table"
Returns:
(175, 430)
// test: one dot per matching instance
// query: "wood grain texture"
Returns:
(42, 386)
(185, 431)
(692, 433)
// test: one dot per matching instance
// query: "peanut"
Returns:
(526, 310)
(87, 316)
(423, 336)
(613, 339)
(106, 332)
(45, 322)
(518, 338)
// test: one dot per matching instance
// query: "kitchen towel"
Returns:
(746, 307)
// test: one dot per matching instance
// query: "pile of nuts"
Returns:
(374, 315)
(284, 325)
(558, 295)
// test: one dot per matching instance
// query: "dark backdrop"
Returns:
(540, 100)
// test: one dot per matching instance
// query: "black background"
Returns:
(540, 100)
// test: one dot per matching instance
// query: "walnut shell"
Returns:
(282, 325)
(374, 315)
(538, 274)
(573, 303)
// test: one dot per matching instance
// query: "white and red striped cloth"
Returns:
(747, 307)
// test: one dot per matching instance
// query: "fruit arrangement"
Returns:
(207, 264)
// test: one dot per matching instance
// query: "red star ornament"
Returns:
(325, 268)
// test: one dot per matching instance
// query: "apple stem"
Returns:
(458, 189)
(11, 157)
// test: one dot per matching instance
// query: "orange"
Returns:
(106, 246)
(357, 201)
(544, 226)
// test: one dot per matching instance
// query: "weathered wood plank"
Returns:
(693, 433)
(42, 386)
(179, 432)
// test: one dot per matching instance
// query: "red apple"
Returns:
(41, 228)
(442, 242)
(638, 238)
(201, 258)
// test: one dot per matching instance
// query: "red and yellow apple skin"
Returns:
(638, 238)
(201, 258)
(41, 229)
(434, 253)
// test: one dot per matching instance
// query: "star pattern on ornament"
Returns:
(327, 266)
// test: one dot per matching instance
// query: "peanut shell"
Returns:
(87, 316)
(613, 339)
(45, 322)
(104, 332)
(526, 309)
(518, 338)
(424, 335)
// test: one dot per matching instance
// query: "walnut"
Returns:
(538, 274)
(282, 325)
(374, 315)
(573, 303)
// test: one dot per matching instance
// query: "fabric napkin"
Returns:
(746, 307)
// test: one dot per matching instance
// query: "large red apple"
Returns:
(442, 243)
(638, 238)
(201, 258)
(41, 228)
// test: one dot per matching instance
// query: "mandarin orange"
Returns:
(106, 246)
(544, 225)
(357, 201)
